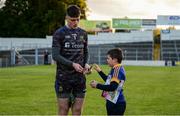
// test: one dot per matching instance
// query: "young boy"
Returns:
(112, 89)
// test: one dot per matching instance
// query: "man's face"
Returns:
(72, 21)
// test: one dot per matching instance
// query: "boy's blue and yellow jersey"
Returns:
(117, 74)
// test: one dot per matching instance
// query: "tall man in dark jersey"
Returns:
(69, 50)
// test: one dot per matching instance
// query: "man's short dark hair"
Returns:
(73, 11)
(116, 53)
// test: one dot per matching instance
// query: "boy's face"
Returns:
(111, 62)
(72, 22)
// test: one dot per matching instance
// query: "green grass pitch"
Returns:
(29, 90)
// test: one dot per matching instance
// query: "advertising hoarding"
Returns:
(118, 23)
(168, 20)
(93, 25)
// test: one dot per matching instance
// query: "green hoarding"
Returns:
(126, 23)
(92, 25)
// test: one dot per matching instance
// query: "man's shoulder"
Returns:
(82, 30)
(61, 30)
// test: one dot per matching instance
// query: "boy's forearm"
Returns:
(112, 87)
(103, 75)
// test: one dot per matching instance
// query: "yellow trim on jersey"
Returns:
(115, 79)
(116, 70)
(117, 65)
(116, 73)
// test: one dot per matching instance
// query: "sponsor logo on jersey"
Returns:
(77, 45)
(67, 36)
(73, 45)
(67, 45)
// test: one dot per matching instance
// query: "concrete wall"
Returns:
(109, 38)
(24, 43)
(101, 38)
(143, 63)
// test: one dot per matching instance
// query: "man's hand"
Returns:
(87, 69)
(78, 67)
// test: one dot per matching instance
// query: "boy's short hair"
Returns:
(116, 53)
(73, 11)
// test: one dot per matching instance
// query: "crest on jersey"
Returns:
(81, 38)
(74, 36)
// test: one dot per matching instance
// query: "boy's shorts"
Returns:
(70, 85)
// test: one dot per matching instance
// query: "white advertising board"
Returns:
(168, 20)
